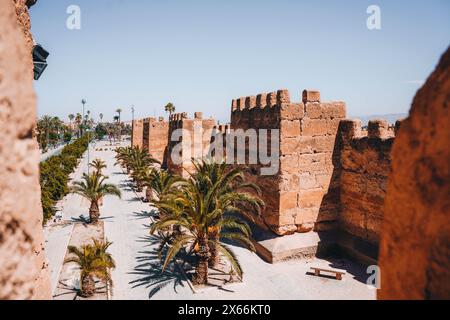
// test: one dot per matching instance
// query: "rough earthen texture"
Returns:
(415, 237)
(195, 139)
(304, 194)
(365, 167)
(156, 137)
(137, 133)
(23, 268)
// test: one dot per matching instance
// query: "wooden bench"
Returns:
(338, 274)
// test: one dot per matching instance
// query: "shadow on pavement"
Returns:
(149, 269)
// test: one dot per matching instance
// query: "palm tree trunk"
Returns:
(214, 258)
(148, 194)
(94, 212)
(87, 286)
(201, 270)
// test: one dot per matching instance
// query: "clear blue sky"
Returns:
(201, 54)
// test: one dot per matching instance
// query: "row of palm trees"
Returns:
(93, 259)
(197, 215)
(49, 131)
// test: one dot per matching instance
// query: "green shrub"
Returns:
(54, 175)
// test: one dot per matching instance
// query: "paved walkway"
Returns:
(138, 273)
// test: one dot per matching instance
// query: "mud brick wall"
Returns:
(156, 137)
(137, 133)
(415, 236)
(192, 146)
(23, 268)
(304, 194)
(365, 162)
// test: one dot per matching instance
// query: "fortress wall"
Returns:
(195, 138)
(24, 270)
(365, 161)
(299, 197)
(137, 133)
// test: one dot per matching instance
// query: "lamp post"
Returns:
(84, 122)
(132, 124)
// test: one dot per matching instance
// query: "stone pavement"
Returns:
(138, 274)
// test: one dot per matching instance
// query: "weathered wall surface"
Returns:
(23, 268)
(137, 133)
(303, 195)
(365, 167)
(156, 137)
(194, 137)
(415, 237)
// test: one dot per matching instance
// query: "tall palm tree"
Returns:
(94, 188)
(170, 108)
(93, 260)
(101, 117)
(119, 111)
(71, 117)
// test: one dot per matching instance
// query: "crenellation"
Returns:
(250, 102)
(283, 97)
(261, 100)
(271, 99)
(350, 129)
(311, 96)
(378, 129)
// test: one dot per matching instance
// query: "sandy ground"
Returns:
(138, 276)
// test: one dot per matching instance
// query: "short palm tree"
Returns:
(233, 196)
(198, 208)
(93, 261)
(98, 165)
(159, 184)
(94, 188)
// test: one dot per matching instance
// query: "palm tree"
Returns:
(170, 108)
(71, 117)
(78, 121)
(119, 111)
(98, 166)
(101, 116)
(198, 208)
(159, 184)
(94, 188)
(231, 194)
(93, 260)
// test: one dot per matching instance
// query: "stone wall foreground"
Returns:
(415, 238)
(23, 268)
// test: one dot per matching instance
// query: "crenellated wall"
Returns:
(155, 139)
(137, 133)
(365, 165)
(194, 136)
(302, 195)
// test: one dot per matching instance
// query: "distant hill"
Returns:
(391, 118)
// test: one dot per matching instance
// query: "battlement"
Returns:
(351, 129)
